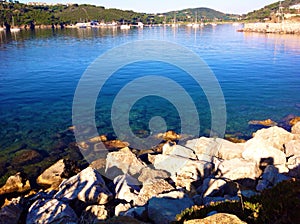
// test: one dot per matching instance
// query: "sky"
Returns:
(159, 6)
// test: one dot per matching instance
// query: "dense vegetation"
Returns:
(20, 14)
(271, 9)
(280, 204)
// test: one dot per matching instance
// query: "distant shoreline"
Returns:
(278, 28)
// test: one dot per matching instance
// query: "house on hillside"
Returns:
(296, 7)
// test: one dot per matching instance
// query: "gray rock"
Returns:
(15, 183)
(11, 212)
(51, 211)
(56, 173)
(126, 188)
(164, 210)
(139, 213)
(274, 136)
(87, 186)
(152, 189)
(204, 148)
(121, 162)
(148, 175)
(258, 148)
(93, 214)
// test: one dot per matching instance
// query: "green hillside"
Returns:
(270, 10)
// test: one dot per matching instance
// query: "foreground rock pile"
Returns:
(153, 187)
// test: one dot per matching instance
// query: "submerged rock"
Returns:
(294, 121)
(16, 183)
(51, 211)
(87, 186)
(115, 144)
(267, 123)
(169, 136)
(26, 156)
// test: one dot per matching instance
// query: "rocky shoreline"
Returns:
(280, 28)
(155, 187)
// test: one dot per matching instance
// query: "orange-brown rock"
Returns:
(267, 123)
(294, 121)
(116, 144)
(83, 145)
(169, 135)
(100, 138)
(235, 140)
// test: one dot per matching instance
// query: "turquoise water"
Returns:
(39, 72)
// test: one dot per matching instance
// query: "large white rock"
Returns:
(51, 211)
(164, 210)
(239, 169)
(292, 148)
(121, 162)
(274, 136)
(178, 150)
(218, 147)
(182, 170)
(256, 149)
(126, 188)
(87, 186)
(296, 129)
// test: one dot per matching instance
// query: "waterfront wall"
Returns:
(285, 28)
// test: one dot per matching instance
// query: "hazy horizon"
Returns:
(156, 6)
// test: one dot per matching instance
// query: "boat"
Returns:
(235, 24)
(213, 24)
(174, 25)
(14, 29)
(195, 25)
(124, 27)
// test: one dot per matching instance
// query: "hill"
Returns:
(269, 10)
(21, 14)
(187, 15)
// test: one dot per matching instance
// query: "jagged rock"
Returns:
(203, 147)
(212, 186)
(122, 208)
(267, 123)
(56, 173)
(228, 150)
(274, 136)
(292, 148)
(296, 129)
(87, 186)
(16, 183)
(148, 175)
(239, 169)
(51, 211)
(270, 178)
(211, 200)
(178, 150)
(10, 213)
(121, 162)
(126, 188)
(183, 171)
(99, 164)
(25, 157)
(257, 148)
(152, 189)
(164, 210)
(93, 214)
(220, 218)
